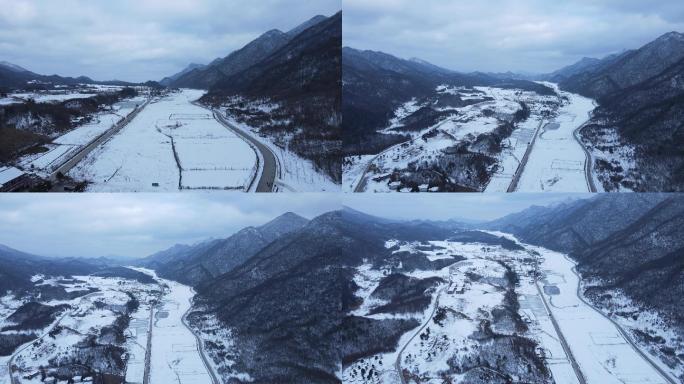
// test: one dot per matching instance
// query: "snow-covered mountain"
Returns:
(634, 133)
(167, 81)
(634, 242)
(13, 76)
(196, 76)
(201, 262)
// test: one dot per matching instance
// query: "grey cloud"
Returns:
(471, 206)
(138, 40)
(138, 224)
(501, 35)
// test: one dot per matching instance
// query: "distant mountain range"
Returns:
(641, 101)
(376, 83)
(13, 76)
(199, 263)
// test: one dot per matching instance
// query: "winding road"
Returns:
(200, 348)
(588, 165)
(397, 362)
(10, 363)
(271, 166)
(621, 330)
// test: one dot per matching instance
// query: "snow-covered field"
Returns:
(62, 93)
(557, 160)
(50, 97)
(514, 150)
(175, 356)
(170, 133)
(462, 302)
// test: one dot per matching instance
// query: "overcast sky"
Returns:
(138, 40)
(500, 35)
(93, 225)
(445, 206)
(135, 225)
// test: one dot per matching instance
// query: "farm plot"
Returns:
(171, 145)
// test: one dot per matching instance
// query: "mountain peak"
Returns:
(674, 35)
(283, 224)
(272, 33)
(306, 25)
(12, 67)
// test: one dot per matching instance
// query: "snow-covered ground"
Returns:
(513, 153)
(601, 351)
(557, 160)
(175, 356)
(85, 318)
(53, 97)
(617, 158)
(463, 302)
(63, 147)
(462, 124)
(169, 133)
(296, 174)
(61, 93)
(353, 169)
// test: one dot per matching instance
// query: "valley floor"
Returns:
(171, 145)
(159, 346)
(175, 355)
(462, 333)
(541, 154)
(557, 161)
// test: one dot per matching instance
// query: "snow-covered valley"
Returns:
(499, 313)
(171, 145)
(557, 161)
(480, 139)
(116, 327)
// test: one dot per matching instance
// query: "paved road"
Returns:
(148, 350)
(270, 171)
(588, 166)
(200, 349)
(397, 363)
(361, 186)
(13, 379)
(521, 167)
(624, 334)
(85, 150)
